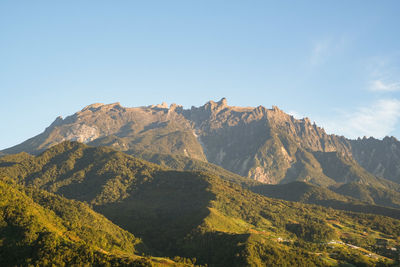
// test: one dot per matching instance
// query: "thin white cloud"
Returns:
(377, 120)
(383, 74)
(324, 49)
(382, 86)
(320, 52)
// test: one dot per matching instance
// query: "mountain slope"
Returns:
(195, 214)
(153, 128)
(102, 174)
(312, 194)
(370, 194)
(40, 228)
(380, 157)
(182, 163)
(299, 192)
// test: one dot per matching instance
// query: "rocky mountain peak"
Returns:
(163, 105)
(215, 106)
(174, 107)
(92, 107)
(100, 106)
(390, 139)
(223, 102)
(276, 109)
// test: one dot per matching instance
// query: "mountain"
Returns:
(199, 215)
(263, 144)
(379, 157)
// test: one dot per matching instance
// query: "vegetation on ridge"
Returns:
(312, 194)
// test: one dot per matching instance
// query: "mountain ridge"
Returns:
(263, 144)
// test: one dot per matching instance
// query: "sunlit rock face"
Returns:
(264, 144)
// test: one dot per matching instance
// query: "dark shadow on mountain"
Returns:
(164, 210)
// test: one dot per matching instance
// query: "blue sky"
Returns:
(336, 62)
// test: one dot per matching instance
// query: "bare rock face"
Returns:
(82, 133)
(267, 145)
(154, 128)
(380, 157)
(258, 174)
(259, 143)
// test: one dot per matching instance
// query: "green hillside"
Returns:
(312, 194)
(74, 170)
(298, 191)
(198, 215)
(41, 229)
(371, 194)
(8, 160)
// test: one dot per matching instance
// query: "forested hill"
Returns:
(199, 217)
(42, 229)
